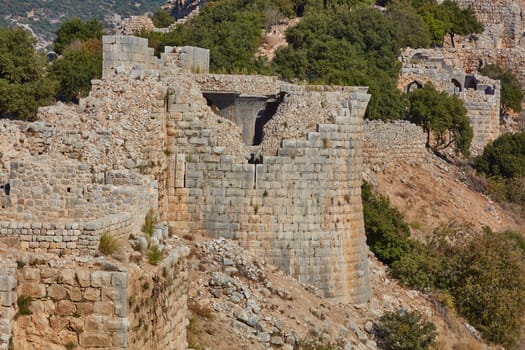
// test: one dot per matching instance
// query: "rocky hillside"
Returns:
(44, 17)
(239, 302)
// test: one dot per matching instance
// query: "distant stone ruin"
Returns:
(480, 94)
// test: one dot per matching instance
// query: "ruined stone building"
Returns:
(502, 41)
(273, 165)
(480, 94)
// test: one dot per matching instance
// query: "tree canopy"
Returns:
(75, 69)
(504, 157)
(81, 47)
(443, 116)
(24, 85)
(76, 30)
(162, 19)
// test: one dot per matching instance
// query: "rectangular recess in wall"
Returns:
(180, 170)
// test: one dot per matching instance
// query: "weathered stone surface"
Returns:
(56, 292)
(95, 340)
(65, 308)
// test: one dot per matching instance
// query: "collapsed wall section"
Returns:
(300, 208)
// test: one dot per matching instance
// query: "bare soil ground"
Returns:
(437, 193)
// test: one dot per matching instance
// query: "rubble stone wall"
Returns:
(503, 21)
(81, 306)
(55, 206)
(389, 143)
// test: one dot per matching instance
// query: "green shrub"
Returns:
(108, 244)
(405, 331)
(421, 268)
(154, 254)
(149, 222)
(24, 302)
(386, 231)
(162, 19)
(487, 279)
(504, 157)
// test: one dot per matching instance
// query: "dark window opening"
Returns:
(69, 190)
(471, 82)
(265, 115)
(6, 188)
(255, 158)
(414, 86)
(457, 86)
(489, 90)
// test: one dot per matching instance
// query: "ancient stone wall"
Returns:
(300, 208)
(126, 53)
(8, 284)
(74, 305)
(480, 94)
(387, 144)
(86, 305)
(157, 301)
(503, 21)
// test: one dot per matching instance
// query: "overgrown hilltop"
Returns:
(45, 17)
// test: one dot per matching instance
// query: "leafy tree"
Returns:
(504, 157)
(24, 85)
(75, 69)
(442, 115)
(162, 19)
(447, 18)
(405, 331)
(230, 30)
(386, 232)
(511, 92)
(413, 29)
(460, 21)
(76, 30)
(347, 46)
(487, 279)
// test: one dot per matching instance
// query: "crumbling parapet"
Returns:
(124, 53)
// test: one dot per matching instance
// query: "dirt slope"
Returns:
(239, 302)
(436, 193)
